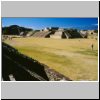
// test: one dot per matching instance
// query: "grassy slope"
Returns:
(73, 57)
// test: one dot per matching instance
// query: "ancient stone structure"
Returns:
(19, 67)
(58, 34)
(42, 34)
(84, 33)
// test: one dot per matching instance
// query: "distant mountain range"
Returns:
(15, 30)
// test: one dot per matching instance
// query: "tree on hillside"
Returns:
(14, 30)
(96, 31)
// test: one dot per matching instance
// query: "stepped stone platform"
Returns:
(19, 67)
(42, 34)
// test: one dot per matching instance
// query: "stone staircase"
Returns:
(42, 34)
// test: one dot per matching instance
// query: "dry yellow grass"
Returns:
(71, 57)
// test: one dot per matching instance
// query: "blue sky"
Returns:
(40, 23)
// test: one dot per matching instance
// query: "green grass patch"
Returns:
(89, 52)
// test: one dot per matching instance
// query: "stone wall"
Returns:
(19, 67)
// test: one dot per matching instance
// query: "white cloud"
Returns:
(95, 24)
